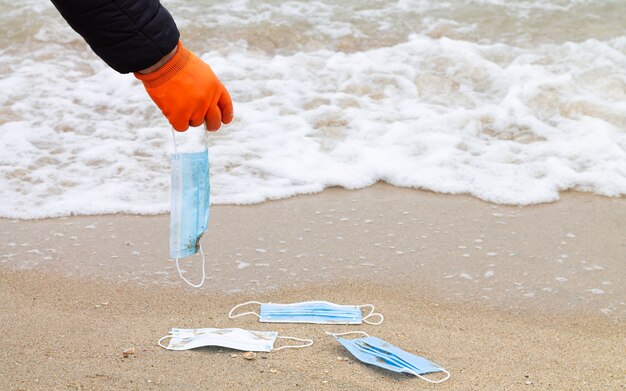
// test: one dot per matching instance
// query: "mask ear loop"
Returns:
(231, 316)
(162, 338)
(427, 379)
(206, 140)
(180, 273)
(174, 140)
(308, 342)
(371, 313)
(347, 333)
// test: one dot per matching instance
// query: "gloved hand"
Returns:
(188, 92)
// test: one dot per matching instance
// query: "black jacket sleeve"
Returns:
(129, 35)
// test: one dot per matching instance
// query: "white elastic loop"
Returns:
(308, 342)
(203, 271)
(206, 139)
(174, 139)
(347, 333)
(427, 379)
(231, 316)
(382, 318)
(162, 338)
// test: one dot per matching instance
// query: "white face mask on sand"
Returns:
(239, 339)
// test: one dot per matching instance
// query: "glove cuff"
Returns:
(168, 70)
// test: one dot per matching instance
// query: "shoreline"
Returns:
(75, 292)
(558, 257)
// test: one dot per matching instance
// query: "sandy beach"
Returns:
(504, 297)
(459, 165)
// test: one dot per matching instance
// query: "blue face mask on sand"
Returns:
(375, 351)
(189, 216)
(319, 312)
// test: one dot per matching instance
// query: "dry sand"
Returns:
(503, 297)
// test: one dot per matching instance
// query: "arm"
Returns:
(129, 35)
(141, 36)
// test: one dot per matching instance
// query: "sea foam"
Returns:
(511, 121)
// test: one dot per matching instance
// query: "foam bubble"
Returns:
(451, 109)
(242, 264)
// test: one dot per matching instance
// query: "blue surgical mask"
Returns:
(319, 312)
(189, 216)
(375, 351)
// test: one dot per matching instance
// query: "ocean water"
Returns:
(509, 101)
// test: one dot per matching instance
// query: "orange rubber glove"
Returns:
(188, 92)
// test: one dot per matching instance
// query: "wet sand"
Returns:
(503, 297)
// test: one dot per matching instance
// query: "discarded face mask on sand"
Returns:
(318, 312)
(234, 338)
(190, 198)
(375, 351)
